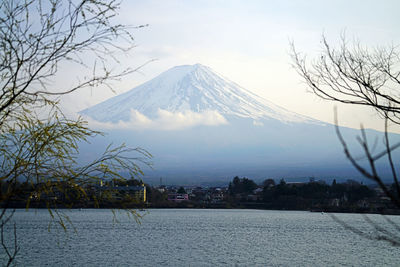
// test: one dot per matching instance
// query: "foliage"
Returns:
(38, 143)
(241, 186)
(156, 197)
(269, 182)
(315, 195)
(181, 190)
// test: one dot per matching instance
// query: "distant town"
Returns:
(349, 196)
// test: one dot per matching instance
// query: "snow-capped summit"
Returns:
(199, 125)
(194, 88)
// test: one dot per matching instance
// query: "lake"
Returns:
(188, 237)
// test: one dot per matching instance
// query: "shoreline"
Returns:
(386, 212)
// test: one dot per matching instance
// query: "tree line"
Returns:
(350, 196)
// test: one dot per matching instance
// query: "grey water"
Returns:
(195, 237)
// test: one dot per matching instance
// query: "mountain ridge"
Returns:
(260, 139)
(195, 88)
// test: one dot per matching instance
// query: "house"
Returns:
(137, 192)
(178, 197)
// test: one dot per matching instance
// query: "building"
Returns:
(137, 192)
(178, 197)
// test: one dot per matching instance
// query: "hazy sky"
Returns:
(248, 42)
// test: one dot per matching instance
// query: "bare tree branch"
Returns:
(360, 76)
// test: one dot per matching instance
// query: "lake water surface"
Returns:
(186, 237)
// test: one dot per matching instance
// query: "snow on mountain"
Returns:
(189, 89)
(254, 137)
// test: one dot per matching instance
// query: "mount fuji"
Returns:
(190, 88)
(203, 128)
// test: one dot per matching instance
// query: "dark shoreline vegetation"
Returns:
(241, 193)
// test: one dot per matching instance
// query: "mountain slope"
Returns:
(194, 88)
(280, 144)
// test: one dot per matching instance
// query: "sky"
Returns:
(248, 43)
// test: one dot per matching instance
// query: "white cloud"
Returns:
(258, 123)
(165, 120)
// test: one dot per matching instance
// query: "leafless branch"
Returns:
(11, 254)
(381, 234)
(368, 77)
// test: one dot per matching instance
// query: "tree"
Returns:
(357, 75)
(38, 143)
(269, 182)
(241, 186)
(181, 190)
